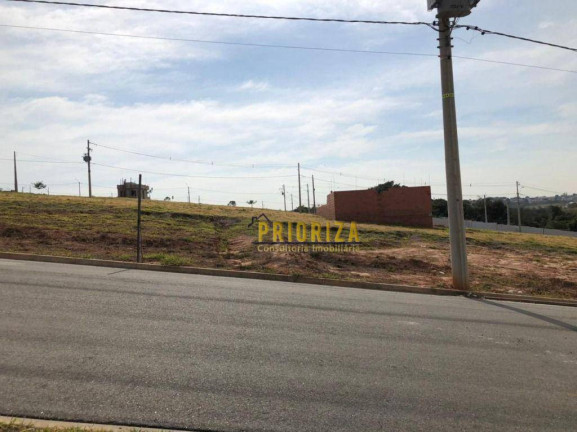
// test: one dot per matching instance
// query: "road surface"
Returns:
(219, 354)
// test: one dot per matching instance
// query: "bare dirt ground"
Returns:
(219, 237)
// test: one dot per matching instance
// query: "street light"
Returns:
(447, 10)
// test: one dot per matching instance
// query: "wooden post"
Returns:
(138, 223)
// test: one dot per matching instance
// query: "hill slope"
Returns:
(217, 236)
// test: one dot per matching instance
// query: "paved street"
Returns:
(218, 354)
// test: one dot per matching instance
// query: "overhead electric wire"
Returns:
(231, 15)
(39, 161)
(539, 189)
(200, 162)
(192, 176)
(247, 44)
(293, 18)
(291, 47)
(491, 32)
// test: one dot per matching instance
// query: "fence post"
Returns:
(138, 223)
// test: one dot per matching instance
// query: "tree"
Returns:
(301, 209)
(251, 203)
(166, 198)
(40, 185)
(440, 209)
(232, 204)
(383, 187)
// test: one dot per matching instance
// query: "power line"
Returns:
(516, 64)
(292, 18)
(490, 32)
(200, 162)
(539, 189)
(40, 161)
(291, 47)
(191, 176)
(230, 15)
(294, 47)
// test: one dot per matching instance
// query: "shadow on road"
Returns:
(531, 314)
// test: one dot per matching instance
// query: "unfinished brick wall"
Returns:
(327, 211)
(398, 206)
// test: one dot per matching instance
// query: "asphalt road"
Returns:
(218, 354)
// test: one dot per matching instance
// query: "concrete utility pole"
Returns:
(300, 198)
(284, 196)
(292, 203)
(188, 187)
(448, 9)
(314, 196)
(15, 175)
(87, 158)
(485, 203)
(308, 200)
(508, 202)
(79, 190)
(519, 208)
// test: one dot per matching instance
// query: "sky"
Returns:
(231, 122)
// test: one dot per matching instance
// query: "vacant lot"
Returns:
(217, 236)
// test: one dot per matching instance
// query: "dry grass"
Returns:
(218, 236)
(18, 426)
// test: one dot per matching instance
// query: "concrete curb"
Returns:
(38, 423)
(285, 278)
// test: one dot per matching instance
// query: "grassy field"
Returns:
(219, 237)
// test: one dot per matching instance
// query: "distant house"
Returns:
(130, 190)
(410, 206)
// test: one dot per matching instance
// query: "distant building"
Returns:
(130, 190)
(410, 206)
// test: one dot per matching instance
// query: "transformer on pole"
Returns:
(452, 8)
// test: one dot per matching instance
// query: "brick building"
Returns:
(130, 190)
(409, 206)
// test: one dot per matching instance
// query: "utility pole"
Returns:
(199, 200)
(292, 203)
(314, 196)
(519, 208)
(15, 175)
(79, 190)
(485, 204)
(308, 200)
(508, 202)
(188, 193)
(300, 199)
(87, 158)
(446, 11)
(138, 222)
(284, 196)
